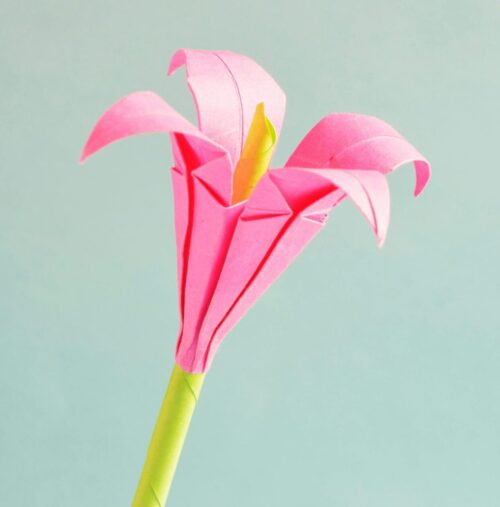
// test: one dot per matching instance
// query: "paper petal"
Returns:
(369, 192)
(355, 141)
(141, 113)
(226, 88)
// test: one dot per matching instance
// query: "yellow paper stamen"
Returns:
(255, 155)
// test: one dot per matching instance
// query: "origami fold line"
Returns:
(229, 254)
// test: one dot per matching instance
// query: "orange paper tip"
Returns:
(255, 156)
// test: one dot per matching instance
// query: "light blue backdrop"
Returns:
(363, 378)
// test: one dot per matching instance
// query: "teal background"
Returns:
(363, 378)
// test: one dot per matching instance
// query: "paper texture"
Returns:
(228, 254)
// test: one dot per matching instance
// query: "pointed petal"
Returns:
(226, 88)
(355, 141)
(141, 113)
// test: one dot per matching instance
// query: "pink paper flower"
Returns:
(229, 254)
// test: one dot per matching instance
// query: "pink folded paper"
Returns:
(228, 255)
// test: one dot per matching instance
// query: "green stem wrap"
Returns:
(168, 438)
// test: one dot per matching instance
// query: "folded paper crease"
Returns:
(228, 253)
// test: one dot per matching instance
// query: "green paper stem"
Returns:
(168, 438)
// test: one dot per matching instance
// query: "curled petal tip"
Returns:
(85, 155)
(89, 149)
(423, 172)
(177, 60)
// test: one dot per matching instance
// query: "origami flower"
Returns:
(239, 224)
